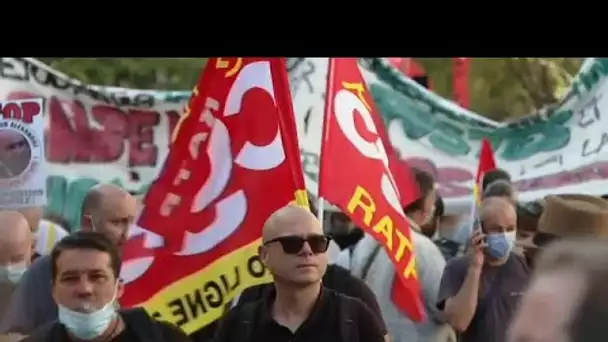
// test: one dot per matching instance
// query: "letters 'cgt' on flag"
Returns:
(234, 161)
(354, 175)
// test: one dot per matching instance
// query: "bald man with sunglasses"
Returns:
(298, 307)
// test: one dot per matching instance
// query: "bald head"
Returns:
(281, 222)
(110, 210)
(16, 238)
(294, 248)
(101, 193)
(32, 215)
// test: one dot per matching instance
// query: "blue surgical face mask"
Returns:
(12, 273)
(88, 326)
(500, 244)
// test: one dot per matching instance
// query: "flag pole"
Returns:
(320, 209)
(321, 202)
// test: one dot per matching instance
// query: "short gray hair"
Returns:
(499, 188)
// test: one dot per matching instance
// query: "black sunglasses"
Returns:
(293, 244)
(542, 239)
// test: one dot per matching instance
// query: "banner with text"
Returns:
(558, 150)
(126, 132)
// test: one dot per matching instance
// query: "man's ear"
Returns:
(263, 253)
(120, 288)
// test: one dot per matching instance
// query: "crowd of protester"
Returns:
(513, 273)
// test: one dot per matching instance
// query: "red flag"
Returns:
(487, 163)
(355, 175)
(234, 161)
(462, 69)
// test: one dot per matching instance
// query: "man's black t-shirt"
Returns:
(127, 335)
(334, 317)
(336, 278)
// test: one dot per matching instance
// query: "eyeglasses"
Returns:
(542, 239)
(293, 244)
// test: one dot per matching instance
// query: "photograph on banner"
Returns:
(22, 154)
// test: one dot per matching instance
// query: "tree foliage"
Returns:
(140, 73)
(501, 88)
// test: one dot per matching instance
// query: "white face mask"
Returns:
(90, 325)
(12, 273)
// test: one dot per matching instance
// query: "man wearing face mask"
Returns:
(479, 292)
(85, 285)
(106, 209)
(16, 249)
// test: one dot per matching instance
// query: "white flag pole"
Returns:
(320, 209)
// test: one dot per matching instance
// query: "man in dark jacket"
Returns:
(107, 209)
(85, 272)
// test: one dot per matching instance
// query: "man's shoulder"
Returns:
(42, 332)
(40, 266)
(171, 332)
(340, 280)
(423, 242)
(42, 262)
(426, 250)
(339, 298)
(253, 293)
(519, 264)
(149, 328)
(458, 263)
(336, 272)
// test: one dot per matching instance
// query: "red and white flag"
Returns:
(234, 161)
(355, 175)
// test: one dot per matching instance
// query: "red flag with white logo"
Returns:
(234, 161)
(355, 175)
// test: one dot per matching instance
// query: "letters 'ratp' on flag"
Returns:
(355, 175)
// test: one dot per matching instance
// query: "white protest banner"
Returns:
(561, 150)
(110, 134)
(22, 162)
(93, 135)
